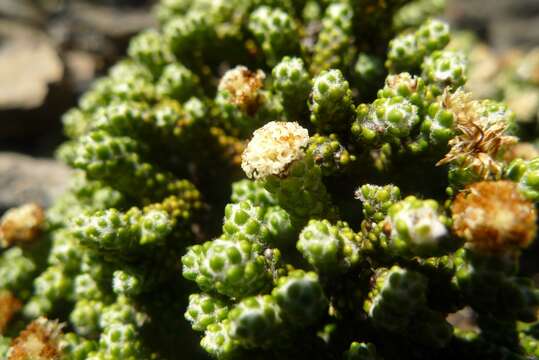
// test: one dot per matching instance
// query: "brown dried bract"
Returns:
(492, 216)
(22, 224)
(39, 341)
(9, 305)
(243, 86)
(462, 105)
(479, 142)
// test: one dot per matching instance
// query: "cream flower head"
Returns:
(273, 148)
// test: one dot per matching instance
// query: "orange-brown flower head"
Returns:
(21, 225)
(9, 305)
(242, 88)
(493, 217)
(41, 340)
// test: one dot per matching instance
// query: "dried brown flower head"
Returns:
(243, 87)
(21, 224)
(480, 140)
(492, 216)
(9, 305)
(41, 340)
(461, 104)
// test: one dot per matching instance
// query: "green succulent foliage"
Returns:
(251, 191)
(177, 82)
(413, 14)
(385, 120)
(254, 320)
(218, 342)
(148, 49)
(368, 73)
(331, 101)
(187, 33)
(113, 231)
(403, 53)
(445, 69)
(407, 51)
(245, 221)
(292, 82)
(397, 295)
(17, 270)
(359, 95)
(329, 154)
(361, 351)
(120, 340)
(439, 125)
(205, 310)
(328, 247)
(377, 200)
(526, 174)
(78, 348)
(302, 193)
(231, 267)
(86, 315)
(300, 297)
(418, 228)
(275, 31)
(332, 48)
(432, 35)
(410, 87)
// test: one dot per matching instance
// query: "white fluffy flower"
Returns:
(273, 148)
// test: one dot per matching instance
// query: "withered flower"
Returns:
(9, 305)
(21, 225)
(493, 217)
(243, 87)
(41, 340)
(480, 141)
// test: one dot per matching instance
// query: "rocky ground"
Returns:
(49, 54)
(502, 23)
(51, 50)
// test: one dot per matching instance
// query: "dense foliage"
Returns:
(316, 172)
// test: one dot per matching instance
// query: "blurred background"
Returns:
(51, 50)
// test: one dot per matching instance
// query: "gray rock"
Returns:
(111, 21)
(25, 179)
(82, 67)
(503, 23)
(28, 64)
